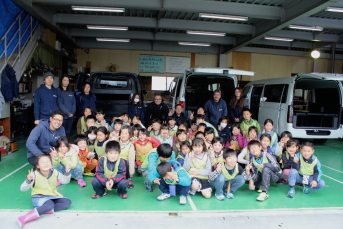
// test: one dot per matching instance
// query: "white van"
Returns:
(307, 105)
(196, 86)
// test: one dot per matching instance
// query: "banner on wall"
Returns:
(176, 64)
(149, 63)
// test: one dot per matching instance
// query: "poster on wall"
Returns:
(176, 64)
(149, 63)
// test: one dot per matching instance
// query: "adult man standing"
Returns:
(215, 108)
(156, 109)
(44, 136)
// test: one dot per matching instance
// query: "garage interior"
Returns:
(273, 38)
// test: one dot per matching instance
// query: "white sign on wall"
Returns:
(177, 64)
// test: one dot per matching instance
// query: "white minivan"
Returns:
(196, 86)
(307, 105)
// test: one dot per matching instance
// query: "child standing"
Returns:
(45, 197)
(234, 136)
(68, 154)
(185, 148)
(164, 135)
(154, 129)
(128, 153)
(268, 128)
(262, 170)
(81, 123)
(292, 147)
(101, 138)
(110, 172)
(306, 170)
(248, 122)
(143, 146)
(173, 176)
(100, 117)
(228, 175)
(198, 165)
(85, 155)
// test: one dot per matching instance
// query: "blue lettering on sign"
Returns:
(148, 63)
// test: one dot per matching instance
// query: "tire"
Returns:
(320, 141)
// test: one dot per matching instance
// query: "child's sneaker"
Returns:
(259, 189)
(291, 193)
(82, 183)
(192, 192)
(130, 184)
(148, 187)
(230, 195)
(88, 174)
(221, 197)
(183, 200)
(282, 181)
(306, 189)
(123, 196)
(58, 183)
(262, 197)
(163, 196)
(96, 196)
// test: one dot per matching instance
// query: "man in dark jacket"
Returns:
(9, 83)
(179, 115)
(215, 108)
(156, 109)
(44, 136)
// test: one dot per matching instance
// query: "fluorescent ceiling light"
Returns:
(106, 27)
(206, 33)
(278, 38)
(95, 8)
(225, 17)
(113, 39)
(312, 28)
(194, 43)
(335, 9)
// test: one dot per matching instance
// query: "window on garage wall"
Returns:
(161, 83)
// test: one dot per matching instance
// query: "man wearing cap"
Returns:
(45, 98)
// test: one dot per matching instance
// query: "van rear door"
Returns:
(272, 103)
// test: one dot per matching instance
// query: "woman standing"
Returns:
(236, 106)
(136, 107)
(66, 103)
(45, 98)
(86, 99)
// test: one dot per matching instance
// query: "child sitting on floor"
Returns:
(306, 170)
(201, 119)
(262, 170)
(234, 137)
(100, 119)
(209, 134)
(81, 123)
(86, 156)
(136, 119)
(281, 146)
(164, 135)
(90, 121)
(117, 125)
(228, 175)
(135, 130)
(268, 129)
(172, 125)
(216, 152)
(101, 138)
(248, 122)
(68, 155)
(292, 147)
(91, 137)
(126, 119)
(154, 129)
(194, 130)
(174, 178)
(185, 148)
(42, 182)
(110, 172)
(198, 166)
(244, 156)
(181, 136)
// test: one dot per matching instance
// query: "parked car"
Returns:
(113, 90)
(196, 86)
(307, 105)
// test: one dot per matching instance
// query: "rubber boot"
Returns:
(31, 215)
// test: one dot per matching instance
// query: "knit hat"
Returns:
(47, 74)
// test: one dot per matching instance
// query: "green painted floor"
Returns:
(330, 155)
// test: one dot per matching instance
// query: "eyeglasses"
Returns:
(57, 120)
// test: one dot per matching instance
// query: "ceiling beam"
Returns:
(293, 13)
(166, 46)
(309, 36)
(219, 7)
(296, 44)
(322, 22)
(46, 19)
(150, 36)
(153, 23)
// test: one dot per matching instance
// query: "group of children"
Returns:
(175, 157)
